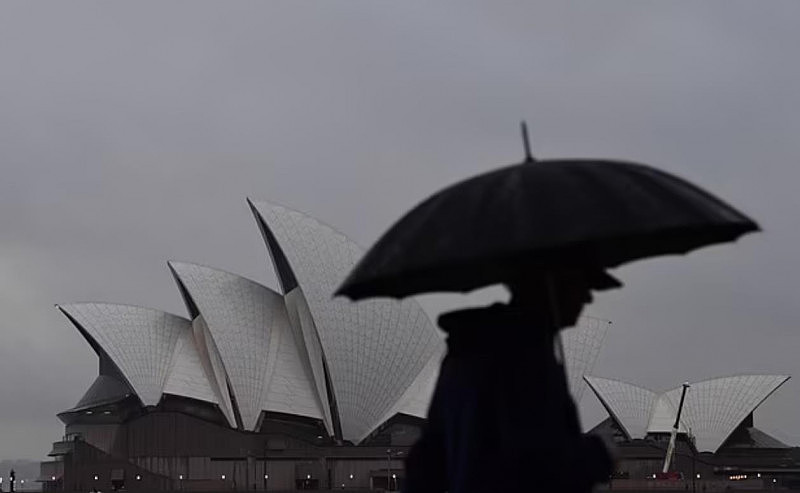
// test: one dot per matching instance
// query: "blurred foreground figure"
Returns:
(502, 418)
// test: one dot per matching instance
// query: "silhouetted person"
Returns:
(501, 417)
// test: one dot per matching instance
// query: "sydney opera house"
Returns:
(258, 389)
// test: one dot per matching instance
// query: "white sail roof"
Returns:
(417, 397)
(291, 387)
(140, 341)
(374, 350)
(213, 366)
(581, 346)
(628, 404)
(662, 414)
(187, 378)
(714, 408)
(306, 337)
(711, 412)
(250, 328)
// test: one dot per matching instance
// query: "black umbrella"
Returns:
(541, 216)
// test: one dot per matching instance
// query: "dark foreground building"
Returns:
(171, 448)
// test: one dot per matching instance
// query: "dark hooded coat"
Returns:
(501, 417)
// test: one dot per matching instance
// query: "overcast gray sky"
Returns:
(131, 133)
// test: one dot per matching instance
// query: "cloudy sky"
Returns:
(131, 134)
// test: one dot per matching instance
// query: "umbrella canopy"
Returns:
(541, 215)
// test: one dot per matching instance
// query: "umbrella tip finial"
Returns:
(526, 142)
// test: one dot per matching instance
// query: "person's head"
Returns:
(560, 296)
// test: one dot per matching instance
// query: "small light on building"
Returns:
(342, 485)
(394, 476)
(758, 475)
(774, 480)
(95, 477)
(654, 476)
(698, 475)
(89, 412)
(266, 476)
(106, 412)
(308, 476)
(180, 476)
(52, 478)
(138, 478)
(351, 476)
(22, 481)
(223, 476)
(319, 437)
